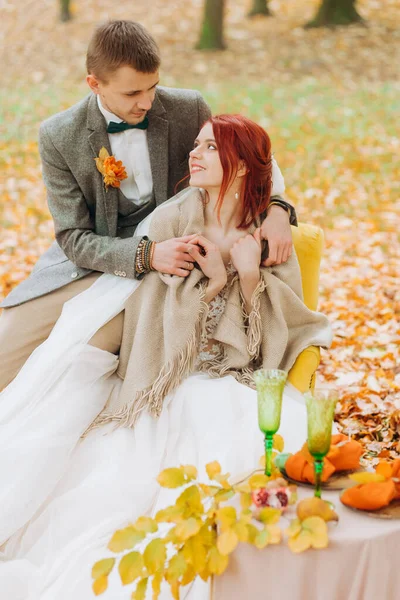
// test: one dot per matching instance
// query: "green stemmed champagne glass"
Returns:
(320, 410)
(270, 384)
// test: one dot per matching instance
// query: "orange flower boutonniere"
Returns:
(113, 171)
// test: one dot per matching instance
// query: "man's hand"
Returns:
(276, 229)
(172, 256)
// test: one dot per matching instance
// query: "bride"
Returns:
(84, 433)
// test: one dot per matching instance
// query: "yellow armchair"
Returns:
(308, 242)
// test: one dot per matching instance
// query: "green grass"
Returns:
(325, 138)
(364, 112)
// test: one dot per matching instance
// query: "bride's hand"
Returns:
(208, 257)
(246, 254)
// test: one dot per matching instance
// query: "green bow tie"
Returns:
(117, 127)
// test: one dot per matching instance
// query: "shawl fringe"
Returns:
(254, 331)
(171, 375)
(219, 366)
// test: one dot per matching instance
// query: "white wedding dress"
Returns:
(62, 498)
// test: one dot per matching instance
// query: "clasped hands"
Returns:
(176, 256)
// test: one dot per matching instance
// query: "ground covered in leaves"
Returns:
(330, 101)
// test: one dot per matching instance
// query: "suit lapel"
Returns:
(157, 138)
(98, 138)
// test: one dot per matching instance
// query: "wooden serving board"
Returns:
(336, 482)
(392, 511)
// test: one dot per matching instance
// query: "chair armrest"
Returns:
(302, 374)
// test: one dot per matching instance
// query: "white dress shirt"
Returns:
(132, 149)
(278, 182)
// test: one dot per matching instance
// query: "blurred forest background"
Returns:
(329, 98)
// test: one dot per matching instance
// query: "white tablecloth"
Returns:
(362, 562)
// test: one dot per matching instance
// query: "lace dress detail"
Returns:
(209, 348)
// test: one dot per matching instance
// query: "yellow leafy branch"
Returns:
(202, 532)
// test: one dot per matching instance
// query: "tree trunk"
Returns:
(211, 37)
(65, 14)
(260, 7)
(336, 12)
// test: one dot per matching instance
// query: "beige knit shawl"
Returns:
(165, 316)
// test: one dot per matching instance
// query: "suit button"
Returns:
(74, 275)
(116, 272)
(123, 274)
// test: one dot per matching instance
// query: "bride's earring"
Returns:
(236, 195)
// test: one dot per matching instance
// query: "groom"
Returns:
(151, 130)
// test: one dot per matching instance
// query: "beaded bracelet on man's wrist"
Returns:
(153, 247)
(144, 255)
(147, 255)
(139, 266)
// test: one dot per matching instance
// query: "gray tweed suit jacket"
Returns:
(88, 236)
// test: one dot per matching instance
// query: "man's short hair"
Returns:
(121, 43)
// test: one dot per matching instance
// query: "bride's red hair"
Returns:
(240, 140)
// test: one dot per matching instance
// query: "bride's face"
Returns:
(204, 163)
